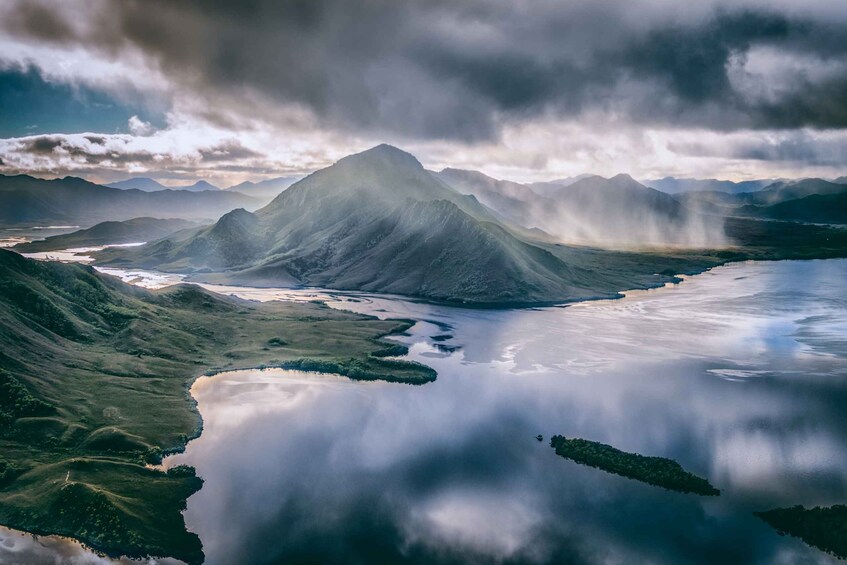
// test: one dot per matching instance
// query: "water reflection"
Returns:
(19, 548)
(739, 373)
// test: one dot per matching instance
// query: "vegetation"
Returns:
(823, 528)
(657, 471)
(94, 378)
(107, 233)
(372, 369)
(26, 200)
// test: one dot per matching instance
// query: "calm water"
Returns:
(740, 374)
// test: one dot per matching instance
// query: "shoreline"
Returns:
(165, 453)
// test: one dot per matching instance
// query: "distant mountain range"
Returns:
(28, 200)
(373, 221)
(378, 221)
(150, 185)
(673, 185)
(265, 188)
(615, 212)
(805, 200)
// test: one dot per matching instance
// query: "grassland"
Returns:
(94, 378)
(823, 528)
(656, 471)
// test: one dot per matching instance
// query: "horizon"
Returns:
(731, 91)
(184, 182)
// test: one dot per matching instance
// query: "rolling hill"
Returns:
(26, 200)
(805, 200)
(790, 190)
(816, 208)
(105, 396)
(108, 233)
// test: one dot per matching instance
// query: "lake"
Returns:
(739, 373)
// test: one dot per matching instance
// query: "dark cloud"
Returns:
(459, 70)
(793, 147)
(228, 151)
(41, 21)
(96, 154)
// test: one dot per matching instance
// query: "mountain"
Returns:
(375, 221)
(512, 201)
(672, 185)
(150, 185)
(840, 180)
(552, 187)
(621, 212)
(808, 200)
(783, 191)
(270, 187)
(139, 183)
(28, 200)
(815, 208)
(618, 212)
(198, 186)
(106, 233)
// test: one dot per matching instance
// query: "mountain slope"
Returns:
(270, 187)
(619, 212)
(513, 201)
(105, 395)
(108, 233)
(790, 190)
(373, 221)
(553, 187)
(27, 200)
(816, 208)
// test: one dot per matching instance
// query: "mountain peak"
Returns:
(622, 177)
(197, 186)
(140, 183)
(383, 155)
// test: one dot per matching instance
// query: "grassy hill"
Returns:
(93, 385)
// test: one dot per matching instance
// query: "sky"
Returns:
(231, 90)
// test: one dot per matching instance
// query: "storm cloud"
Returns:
(460, 70)
(523, 89)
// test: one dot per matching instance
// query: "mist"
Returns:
(612, 213)
(628, 225)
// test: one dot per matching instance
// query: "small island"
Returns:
(656, 471)
(823, 528)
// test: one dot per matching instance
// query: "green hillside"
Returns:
(93, 385)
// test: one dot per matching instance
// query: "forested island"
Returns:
(823, 528)
(94, 378)
(656, 471)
